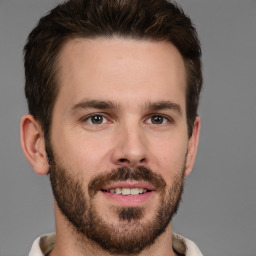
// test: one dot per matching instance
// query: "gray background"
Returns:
(219, 205)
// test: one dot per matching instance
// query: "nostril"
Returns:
(142, 160)
(131, 163)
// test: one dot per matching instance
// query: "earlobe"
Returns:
(33, 144)
(192, 146)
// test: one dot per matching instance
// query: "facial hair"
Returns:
(131, 235)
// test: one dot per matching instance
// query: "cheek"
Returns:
(170, 156)
(86, 156)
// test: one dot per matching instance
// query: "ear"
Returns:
(33, 144)
(192, 146)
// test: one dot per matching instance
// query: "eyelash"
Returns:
(103, 116)
(166, 119)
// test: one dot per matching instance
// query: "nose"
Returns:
(130, 147)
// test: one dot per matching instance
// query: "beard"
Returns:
(131, 235)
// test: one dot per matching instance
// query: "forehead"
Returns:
(120, 67)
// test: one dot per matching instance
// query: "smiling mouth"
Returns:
(127, 191)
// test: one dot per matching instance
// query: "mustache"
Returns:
(140, 173)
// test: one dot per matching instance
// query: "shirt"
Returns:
(44, 245)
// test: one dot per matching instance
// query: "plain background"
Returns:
(219, 205)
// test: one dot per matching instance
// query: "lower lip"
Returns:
(130, 200)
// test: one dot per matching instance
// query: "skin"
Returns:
(133, 75)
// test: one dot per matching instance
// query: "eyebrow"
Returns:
(98, 104)
(102, 104)
(161, 105)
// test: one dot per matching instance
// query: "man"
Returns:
(113, 88)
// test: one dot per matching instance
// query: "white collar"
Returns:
(44, 245)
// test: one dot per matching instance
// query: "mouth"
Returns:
(128, 193)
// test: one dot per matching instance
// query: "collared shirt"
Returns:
(44, 245)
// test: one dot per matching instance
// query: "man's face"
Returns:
(119, 139)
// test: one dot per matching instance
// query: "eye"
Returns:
(96, 119)
(157, 119)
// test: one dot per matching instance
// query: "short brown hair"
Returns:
(156, 20)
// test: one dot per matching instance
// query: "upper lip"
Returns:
(129, 184)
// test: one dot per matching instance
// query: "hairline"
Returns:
(66, 39)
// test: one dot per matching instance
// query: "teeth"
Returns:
(128, 191)
(118, 191)
(135, 191)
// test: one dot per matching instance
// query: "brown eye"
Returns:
(157, 119)
(96, 119)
